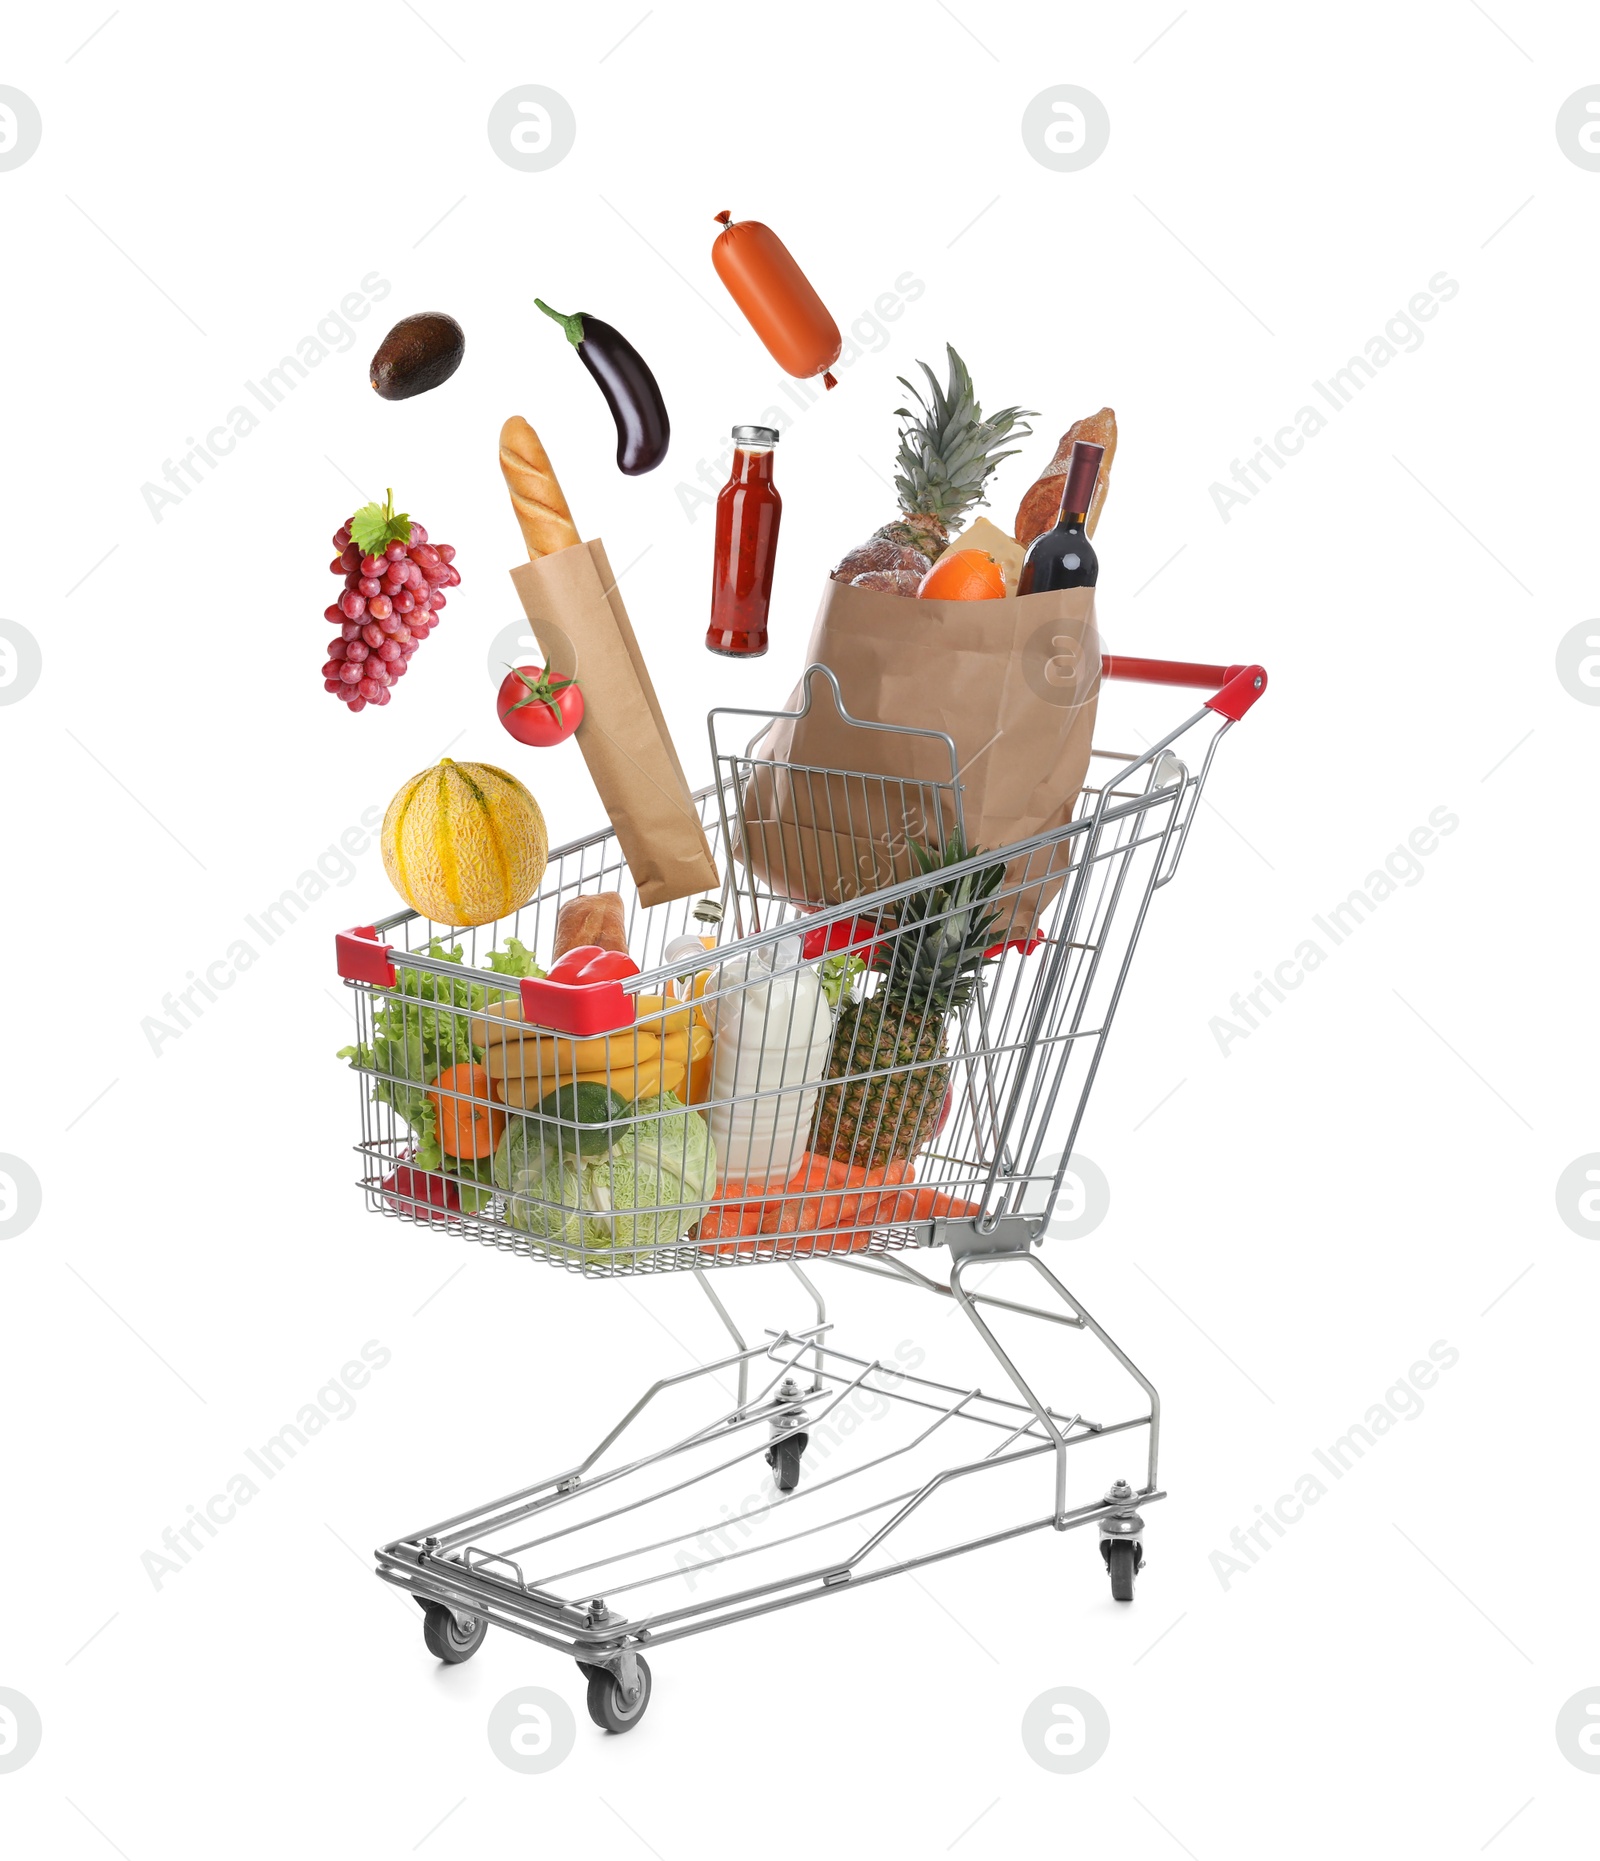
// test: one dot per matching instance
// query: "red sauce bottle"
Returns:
(748, 510)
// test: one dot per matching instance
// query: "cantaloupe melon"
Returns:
(464, 843)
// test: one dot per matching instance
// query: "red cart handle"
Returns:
(1235, 688)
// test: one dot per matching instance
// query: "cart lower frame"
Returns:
(801, 1377)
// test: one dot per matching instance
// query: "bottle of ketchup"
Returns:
(748, 510)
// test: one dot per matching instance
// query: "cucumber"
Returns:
(580, 1115)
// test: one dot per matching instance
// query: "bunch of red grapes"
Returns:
(389, 607)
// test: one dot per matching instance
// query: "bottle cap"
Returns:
(757, 435)
(708, 911)
(685, 954)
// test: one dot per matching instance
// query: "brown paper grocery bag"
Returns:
(578, 617)
(1012, 682)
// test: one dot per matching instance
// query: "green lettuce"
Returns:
(419, 1028)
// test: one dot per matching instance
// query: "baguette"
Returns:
(1042, 504)
(536, 496)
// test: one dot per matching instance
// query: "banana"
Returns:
(693, 1043)
(557, 1059)
(663, 1017)
(499, 1021)
(632, 1082)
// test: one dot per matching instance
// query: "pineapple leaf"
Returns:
(948, 451)
(942, 935)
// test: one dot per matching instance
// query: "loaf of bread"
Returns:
(596, 917)
(1042, 504)
(888, 581)
(536, 495)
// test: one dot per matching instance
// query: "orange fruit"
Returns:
(964, 575)
(468, 1125)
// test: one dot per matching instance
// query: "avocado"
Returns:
(419, 353)
(586, 1115)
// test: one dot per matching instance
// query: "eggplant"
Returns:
(643, 429)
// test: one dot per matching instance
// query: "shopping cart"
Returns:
(904, 1069)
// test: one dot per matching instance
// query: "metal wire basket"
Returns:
(891, 1072)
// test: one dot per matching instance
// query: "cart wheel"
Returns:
(783, 1457)
(607, 1706)
(446, 1638)
(1122, 1560)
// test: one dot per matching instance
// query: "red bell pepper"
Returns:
(1026, 945)
(421, 1195)
(565, 968)
(608, 966)
(857, 934)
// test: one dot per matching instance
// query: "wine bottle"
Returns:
(1064, 557)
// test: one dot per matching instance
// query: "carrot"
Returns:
(921, 1205)
(908, 1205)
(741, 1208)
(853, 1201)
(840, 1210)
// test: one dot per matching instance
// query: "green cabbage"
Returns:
(653, 1183)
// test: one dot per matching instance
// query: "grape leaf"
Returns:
(375, 526)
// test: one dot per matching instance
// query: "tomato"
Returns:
(565, 968)
(537, 709)
(608, 966)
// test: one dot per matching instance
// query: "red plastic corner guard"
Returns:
(362, 958)
(581, 1008)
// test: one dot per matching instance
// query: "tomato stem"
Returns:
(541, 690)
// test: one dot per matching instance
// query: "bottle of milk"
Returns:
(773, 1026)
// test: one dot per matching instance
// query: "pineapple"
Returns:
(926, 967)
(947, 454)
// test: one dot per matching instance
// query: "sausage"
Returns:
(630, 390)
(776, 298)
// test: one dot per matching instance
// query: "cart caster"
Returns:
(1120, 1544)
(783, 1457)
(446, 1638)
(609, 1706)
(1123, 1557)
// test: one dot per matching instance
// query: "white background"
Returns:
(1366, 1173)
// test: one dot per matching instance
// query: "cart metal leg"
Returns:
(968, 1303)
(733, 1332)
(1121, 1526)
